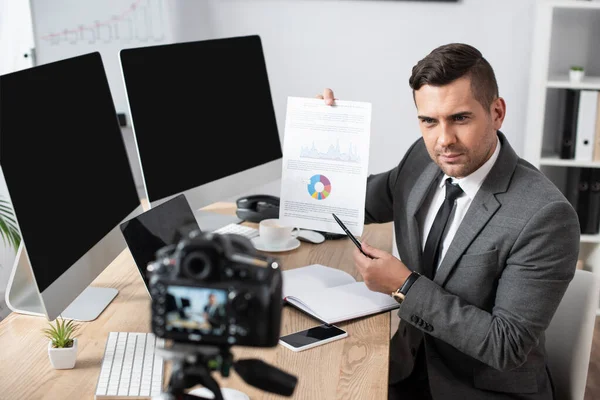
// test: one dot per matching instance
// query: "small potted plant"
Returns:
(576, 73)
(62, 347)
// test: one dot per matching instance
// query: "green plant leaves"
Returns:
(8, 225)
(61, 333)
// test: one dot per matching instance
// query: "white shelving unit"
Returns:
(562, 82)
(566, 33)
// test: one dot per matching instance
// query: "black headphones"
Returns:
(257, 207)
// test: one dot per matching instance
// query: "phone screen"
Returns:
(312, 335)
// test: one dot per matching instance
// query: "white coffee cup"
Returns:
(274, 233)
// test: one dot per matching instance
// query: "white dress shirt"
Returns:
(470, 186)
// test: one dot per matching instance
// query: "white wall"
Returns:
(16, 36)
(365, 50)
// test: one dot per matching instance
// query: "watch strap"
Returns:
(412, 278)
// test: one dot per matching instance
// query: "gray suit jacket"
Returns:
(482, 319)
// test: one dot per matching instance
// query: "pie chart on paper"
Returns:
(319, 187)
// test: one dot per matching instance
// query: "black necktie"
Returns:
(434, 239)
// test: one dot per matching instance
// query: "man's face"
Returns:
(460, 135)
(211, 299)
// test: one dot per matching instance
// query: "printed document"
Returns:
(325, 162)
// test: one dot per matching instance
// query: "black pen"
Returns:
(350, 235)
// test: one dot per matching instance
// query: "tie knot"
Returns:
(452, 191)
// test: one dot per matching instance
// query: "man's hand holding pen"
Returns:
(382, 272)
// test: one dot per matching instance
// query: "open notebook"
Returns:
(332, 295)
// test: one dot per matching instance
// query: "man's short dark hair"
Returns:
(450, 62)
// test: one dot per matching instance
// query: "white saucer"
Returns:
(228, 394)
(292, 244)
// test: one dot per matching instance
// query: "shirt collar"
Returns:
(470, 184)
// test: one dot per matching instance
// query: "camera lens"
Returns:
(197, 265)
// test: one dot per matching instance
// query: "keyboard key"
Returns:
(237, 229)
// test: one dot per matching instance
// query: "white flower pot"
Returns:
(62, 358)
(576, 76)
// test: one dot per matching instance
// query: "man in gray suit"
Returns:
(488, 245)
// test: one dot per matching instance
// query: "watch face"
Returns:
(399, 297)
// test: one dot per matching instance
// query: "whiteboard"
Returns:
(68, 28)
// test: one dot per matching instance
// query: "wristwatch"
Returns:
(399, 294)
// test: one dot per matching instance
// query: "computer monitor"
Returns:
(160, 226)
(70, 183)
(203, 119)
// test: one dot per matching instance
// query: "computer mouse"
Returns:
(310, 236)
(228, 394)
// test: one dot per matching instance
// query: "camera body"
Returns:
(216, 290)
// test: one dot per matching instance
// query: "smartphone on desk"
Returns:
(312, 337)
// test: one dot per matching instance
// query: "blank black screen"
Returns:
(312, 335)
(201, 111)
(156, 228)
(64, 161)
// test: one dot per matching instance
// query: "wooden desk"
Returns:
(353, 368)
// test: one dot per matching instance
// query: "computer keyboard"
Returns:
(130, 367)
(238, 230)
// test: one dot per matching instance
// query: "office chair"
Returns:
(569, 336)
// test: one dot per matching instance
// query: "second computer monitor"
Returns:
(203, 118)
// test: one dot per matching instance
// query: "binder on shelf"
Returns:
(568, 128)
(583, 199)
(597, 134)
(586, 125)
(593, 214)
(572, 187)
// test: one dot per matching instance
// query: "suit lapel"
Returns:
(415, 200)
(482, 208)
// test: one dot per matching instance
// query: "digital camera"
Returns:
(215, 289)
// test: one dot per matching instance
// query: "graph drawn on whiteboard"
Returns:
(68, 28)
(333, 153)
(142, 20)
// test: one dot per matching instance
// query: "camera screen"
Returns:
(196, 310)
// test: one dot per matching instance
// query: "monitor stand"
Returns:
(22, 295)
